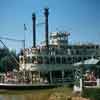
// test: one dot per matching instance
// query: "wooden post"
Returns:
(51, 77)
(62, 76)
(39, 76)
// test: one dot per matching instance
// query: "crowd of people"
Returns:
(90, 78)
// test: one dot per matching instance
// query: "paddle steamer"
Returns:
(52, 61)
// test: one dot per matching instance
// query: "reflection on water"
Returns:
(12, 97)
(15, 97)
(23, 95)
(41, 94)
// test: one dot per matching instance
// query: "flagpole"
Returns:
(24, 71)
(24, 40)
(24, 36)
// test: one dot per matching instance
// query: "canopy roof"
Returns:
(92, 61)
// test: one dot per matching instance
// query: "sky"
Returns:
(79, 17)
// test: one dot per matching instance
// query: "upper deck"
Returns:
(59, 53)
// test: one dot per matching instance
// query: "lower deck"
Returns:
(39, 77)
(53, 77)
(4, 86)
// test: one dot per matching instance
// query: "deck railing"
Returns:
(92, 83)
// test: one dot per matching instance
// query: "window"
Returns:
(63, 60)
(46, 60)
(29, 60)
(79, 59)
(97, 46)
(85, 58)
(57, 74)
(21, 60)
(74, 59)
(52, 60)
(77, 52)
(39, 60)
(58, 60)
(34, 60)
(69, 59)
(25, 60)
(68, 74)
(89, 57)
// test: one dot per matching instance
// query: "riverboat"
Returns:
(51, 63)
(53, 60)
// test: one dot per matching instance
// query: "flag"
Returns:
(25, 28)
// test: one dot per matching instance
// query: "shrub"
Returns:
(92, 93)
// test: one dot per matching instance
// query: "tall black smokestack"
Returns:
(34, 29)
(46, 13)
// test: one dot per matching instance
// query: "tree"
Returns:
(7, 63)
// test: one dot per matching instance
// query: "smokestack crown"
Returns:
(33, 16)
(46, 12)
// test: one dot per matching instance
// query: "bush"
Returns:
(92, 93)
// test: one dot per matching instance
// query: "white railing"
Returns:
(86, 84)
(92, 83)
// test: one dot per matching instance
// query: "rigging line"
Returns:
(11, 39)
(39, 24)
(10, 53)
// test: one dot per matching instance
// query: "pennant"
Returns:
(25, 28)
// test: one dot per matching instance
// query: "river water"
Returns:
(24, 95)
(39, 94)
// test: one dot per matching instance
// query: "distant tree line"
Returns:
(7, 63)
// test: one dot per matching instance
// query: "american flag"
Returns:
(25, 28)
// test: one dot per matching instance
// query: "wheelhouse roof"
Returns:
(92, 61)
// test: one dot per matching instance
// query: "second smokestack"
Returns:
(34, 29)
(46, 13)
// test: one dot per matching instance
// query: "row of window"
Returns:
(77, 51)
(72, 52)
(84, 46)
(81, 51)
(52, 60)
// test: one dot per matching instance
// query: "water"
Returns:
(12, 95)
(40, 94)
(24, 95)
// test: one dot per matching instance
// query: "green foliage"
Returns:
(7, 63)
(92, 93)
